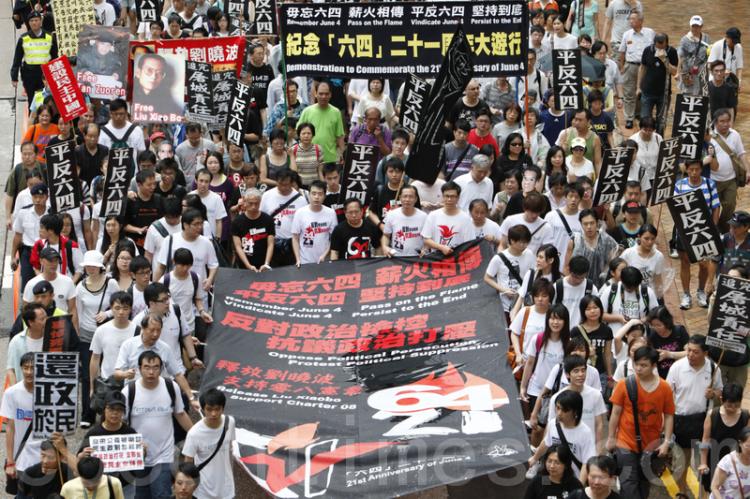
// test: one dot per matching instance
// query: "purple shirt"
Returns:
(360, 135)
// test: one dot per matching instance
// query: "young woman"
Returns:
(560, 39)
(41, 132)
(68, 227)
(65, 132)
(510, 123)
(727, 482)
(221, 185)
(723, 425)
(590, 18)
(223, 27)
(547, 266)
(536, 143)
(275, 160)
(530, 321)
(556, 479)
(555, 193)
(615, 269)
(111, 236)
(376, 97)
(120, 266)
(595, 245)
(306, 157)
(668, 338)
(598, 335)
(554, 163)
(484, 228)
(649, 260)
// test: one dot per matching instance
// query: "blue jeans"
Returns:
(154, 482)
(649, 103)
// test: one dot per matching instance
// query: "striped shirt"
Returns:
(308, 162)
(708, 186)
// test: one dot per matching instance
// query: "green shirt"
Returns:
(328, 127)
(17, 178)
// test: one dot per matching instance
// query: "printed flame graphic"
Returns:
(297, 437)
(446, 232)
(452, 381)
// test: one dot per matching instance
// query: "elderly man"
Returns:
(634, 42)
(476, 184)
(372, 133)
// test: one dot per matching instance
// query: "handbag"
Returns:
(739, 168)
(11, 483)
(102, 387)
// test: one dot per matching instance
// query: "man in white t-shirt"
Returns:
(119, 129)
(564, 221)
(448, 227)
(726, 140)
(215, 210)
(161, 229)
(18, 409)
(184, 287)
(216, 480)
(541, 230)
(569, 290)
(104, 13)
(402, 227)
(204, 254)
(506, 269)
(628, 299)
(109, 337)
(476, 184)
(150, 406)
(312, 226)
(281, 203)
(65, 290)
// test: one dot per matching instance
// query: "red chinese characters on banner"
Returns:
(223, 53)
(64, 87)
(321, 291)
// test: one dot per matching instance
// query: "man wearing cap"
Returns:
(730, 153)
(64, 289)
(34, 48)
(658, 64)
(26, 229)
(44, 294)
(736, 243)
(693, 52)
(729, 50)
(626, 233)
(634, 42)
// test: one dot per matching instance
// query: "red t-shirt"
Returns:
(478, 141)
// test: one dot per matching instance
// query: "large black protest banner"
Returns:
(401, 38)
(62, 177)
(455, 73)
(200, 91)
(567, 79)
(265, 17)
(613, 175)
(730, 322)
(366, 378)
(148, 10)
(120, 171)
(416, 91)
(360, 164)
(690, 114)
(55, 393)
(238, 111)
(667, 165)
(694, 226)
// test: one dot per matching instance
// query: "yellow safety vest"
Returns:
(36, 51)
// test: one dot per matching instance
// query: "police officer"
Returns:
(34, 48)
(26, 228)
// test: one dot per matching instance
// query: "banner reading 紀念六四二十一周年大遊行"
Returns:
(396, 39)
(370, 378)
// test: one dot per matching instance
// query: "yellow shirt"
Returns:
(74, 489)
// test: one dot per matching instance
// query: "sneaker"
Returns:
(532, 472)
(686, 302)
(702, 299)
(84, 424)
(673, 253)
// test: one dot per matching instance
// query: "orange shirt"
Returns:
(651, 408)
(41, 137)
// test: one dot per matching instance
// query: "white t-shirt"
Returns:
(560, 237)
(498, 270)
(572, 296)
(217, 482)
(272, 200)
(541, 231)
(732, 57)
(730, 489)
(726, 170)
(215, 210)
(534, 325)
(650, 267)
(135, 139)
(107, 341)
(314, 231)
(63, 287)
(580, 439)
(490, 228)
(646, 159)
(548, 357)
(593, 406)
(584, 170)
(429, 193)
(405, 231)
(104, 13)
(449, 230)
(470, 190)
(152, 418)
(182, 292)
(18, 405)
(88, 304)
(154, 239)
(204, 255)
(635, 304)
(592, 378)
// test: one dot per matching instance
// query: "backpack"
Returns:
(196, 284)
(120, 143)
(559, 289)
(643, 293)
(163, 232)
(131, 397)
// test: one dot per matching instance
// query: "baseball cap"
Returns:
(114, 399)
(632, 206)
(42, 287)
(740, 218)
(49, 254)
(578, 142)
(734, 34)
(696, 20)
(156, 136)
(39, 189)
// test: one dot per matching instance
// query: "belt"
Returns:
(636, 63)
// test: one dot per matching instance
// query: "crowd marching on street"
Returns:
(582, 286)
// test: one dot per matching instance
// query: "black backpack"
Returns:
(559, 289)
(131, 397)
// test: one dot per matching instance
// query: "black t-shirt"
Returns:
(542, 488)
(260, 78)
(140, 213)
(721, 97)
(33, 483)
(598, 338)
(90, 164)
(353, 243)
(100, 431)
(336, 203)
(603, 126)
(623, 237)
(254, 125)
(675, 342)
(253, 236)
(176, 191)
(515, 206)
(469, 113)
(655, 76)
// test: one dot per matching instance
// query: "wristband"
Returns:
(8, 465)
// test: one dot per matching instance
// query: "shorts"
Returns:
(688, 428)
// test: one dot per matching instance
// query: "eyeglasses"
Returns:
(516, 144)
(153, 72)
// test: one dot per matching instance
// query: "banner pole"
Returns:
(283, 73)
(526, 108)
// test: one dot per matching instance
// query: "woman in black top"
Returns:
(598, 335)
(556, 478)
(602, 473)
(512, 158)
(667, 337)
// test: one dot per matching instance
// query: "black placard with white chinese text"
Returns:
(662, 187)
(55, 394)
(690, 115)
(359, 374)
(360, 164)
(456, 71)
(148, 10)
(730, 322)
(567, 79)
(222, 93)
(62, 177)
(416, 92)
(237, 113)
(697, 231)
(265, 17)
(613, 175)
(120, 171)
(199, 86)
(396, 39)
